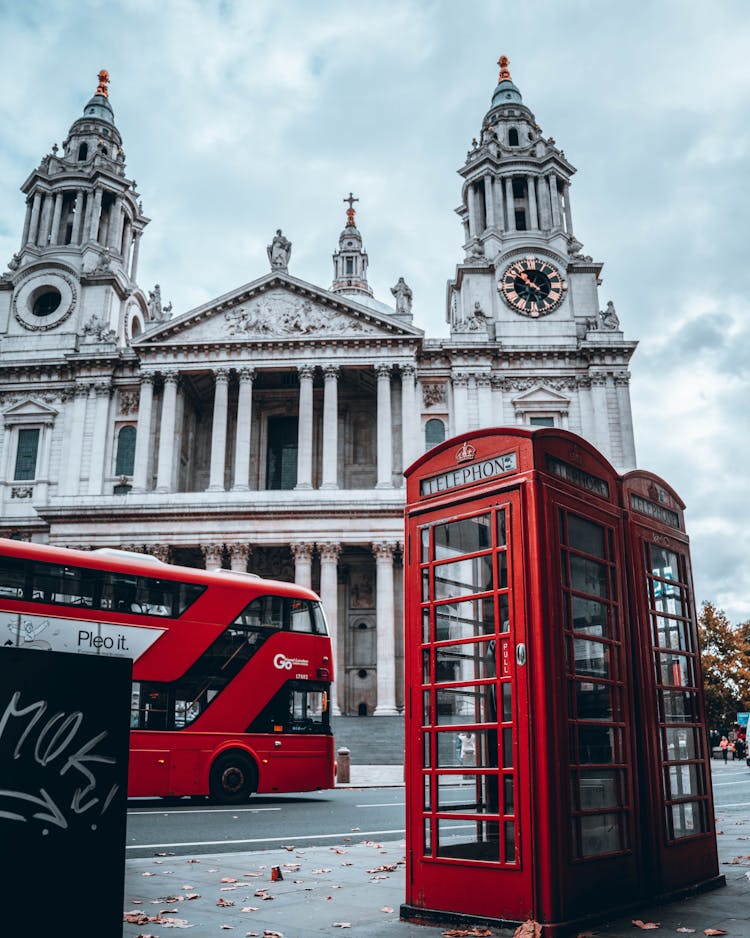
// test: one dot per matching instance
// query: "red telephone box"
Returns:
(675, 766)
(521, 735)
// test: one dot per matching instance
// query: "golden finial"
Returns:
(504, 62)
(101, 88)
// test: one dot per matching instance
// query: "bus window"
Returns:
(12, 577)
(70, 586)
(299, 616)
(265, 612)
(296, 708)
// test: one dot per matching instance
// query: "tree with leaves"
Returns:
(725, 656)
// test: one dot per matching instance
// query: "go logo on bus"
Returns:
(283, 663)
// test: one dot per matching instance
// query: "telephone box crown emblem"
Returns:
(466, 453)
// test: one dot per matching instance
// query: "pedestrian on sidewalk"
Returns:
(724, 746)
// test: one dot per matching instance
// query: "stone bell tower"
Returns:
(74, 275)
(522, 271)
(350, 261)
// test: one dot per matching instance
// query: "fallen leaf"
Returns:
(646, 925)
(713, 931)
(272, 934)
(224, 903)
(685, 931)
(191, 860)
(386, 908)
(228, 879)
(342, 924)
(321, 871)
(529, 929)
(250, 908)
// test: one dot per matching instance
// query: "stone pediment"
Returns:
(276, 308)
(28, 411)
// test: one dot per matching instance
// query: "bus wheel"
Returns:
(232, 778)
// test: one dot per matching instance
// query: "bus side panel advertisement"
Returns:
(79, 636)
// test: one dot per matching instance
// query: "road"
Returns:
(319, 819)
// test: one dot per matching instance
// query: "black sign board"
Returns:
(64, 726)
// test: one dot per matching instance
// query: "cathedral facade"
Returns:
(268, 429)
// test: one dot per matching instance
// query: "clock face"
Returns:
(532, 287)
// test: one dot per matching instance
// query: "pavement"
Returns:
(359, 885)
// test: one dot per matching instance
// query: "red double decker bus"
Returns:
(231, 672)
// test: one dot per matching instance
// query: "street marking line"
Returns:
(739, 804)
(162, 811)
(266, 840)
(385, 804)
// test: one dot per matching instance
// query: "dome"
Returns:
(99, 108)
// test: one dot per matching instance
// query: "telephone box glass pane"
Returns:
(667, 598)
(597, 788)
(467, 749)
(679, 744)
(425, 625)
(448, 750)
(504, 614)
(672, 633)
(468, 619)
(462, 537)
(678, 706)
(501, 532)
(463, 577)
(508, 748)
(502, 571)
(585, 536)
(468, 840)
(683, 780)
(590, 659)
(593, 701)
(425, 539)
(664, 563)
(588, 576)
(596, 744)
(467, 662)
(470, 704)
(507, 692)
(591, 617)
(600, 833)
(508, 802)
(427, 761)
(687, 819)
(467, 794)
(510, 842)
(676, 670)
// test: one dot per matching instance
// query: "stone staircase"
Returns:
(370, 740)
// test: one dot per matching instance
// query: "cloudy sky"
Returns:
(242, 117)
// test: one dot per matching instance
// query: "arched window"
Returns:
(434, 433)
(135, 328)
(125, 451)
(83, 152)
(512, 137)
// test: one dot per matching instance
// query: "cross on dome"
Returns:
(351, 211)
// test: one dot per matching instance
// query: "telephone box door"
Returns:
(469, 815)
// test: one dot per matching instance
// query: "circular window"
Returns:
(362, 674)
(46, 302)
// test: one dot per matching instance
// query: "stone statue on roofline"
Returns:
(609, 317)
(403, 294)
(279, 251)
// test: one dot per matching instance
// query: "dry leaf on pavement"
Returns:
(713, 931)
(646, 925)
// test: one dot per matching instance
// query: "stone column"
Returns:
(385, 428)
(533, 216)
(302, 553)
(26, 224)
(625, 421)
(330, 427)
(212, 556)
(566, 206)
(54, 237)
(460, 404)
(96, 209)
(472, 210)
(239, 555)
(166, 432)
(45, 225)
(115, 225)
(143, 434)
(385, 625)
(242, 437)
(219, 430)
(554, 200)
(545, 209)
(484, 401)
(498, 385)
(34, 221)
(329, 594)
(41, 486)
(101, 435)
(489, 202)
(134, 262)
(510, 203)
(410, 435)
(585, 406)
(499, 208)
(601, 417)
(75, 440)
(127, 242)
(75, 237)
(305, 428)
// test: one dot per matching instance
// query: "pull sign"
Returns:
(520, 654)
